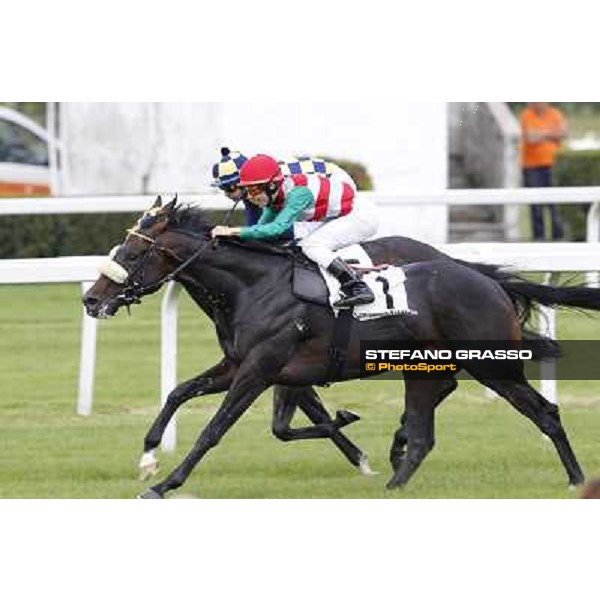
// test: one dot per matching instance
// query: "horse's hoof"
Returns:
(575, 485)
(394, 484)
(148, 471)
(148, 466)
(345, 417)
(364, 467)
(150, 494)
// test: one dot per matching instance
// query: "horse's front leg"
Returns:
(214, 380)
(247, 385)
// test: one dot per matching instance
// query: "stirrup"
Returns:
(364, 297)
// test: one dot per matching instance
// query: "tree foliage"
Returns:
(356, 170)
(34, 110)
(576, 168)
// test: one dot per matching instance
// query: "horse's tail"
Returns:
(575, 296)
(542, 347)
(526, 294)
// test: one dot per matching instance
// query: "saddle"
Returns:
(308, 283)
(307, 280)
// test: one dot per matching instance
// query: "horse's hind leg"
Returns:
(422, 396)
(317, 413)
(398, 449)
(545, 415)
(287, 400)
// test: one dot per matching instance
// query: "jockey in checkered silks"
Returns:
(226, 176)
(323, 211)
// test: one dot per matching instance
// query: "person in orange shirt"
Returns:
(543, 128)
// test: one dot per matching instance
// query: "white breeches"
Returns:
(361, 224)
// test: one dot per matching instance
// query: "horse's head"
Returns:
(141, 264)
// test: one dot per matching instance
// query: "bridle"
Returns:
(133, 291)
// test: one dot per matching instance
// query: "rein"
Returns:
(133, 291)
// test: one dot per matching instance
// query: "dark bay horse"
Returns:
(269, 337)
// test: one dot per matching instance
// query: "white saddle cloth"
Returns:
(387, 285)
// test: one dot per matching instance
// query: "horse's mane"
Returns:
(191, 218)
(195, 219)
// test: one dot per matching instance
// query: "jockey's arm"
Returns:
(298, 200)
(268, 215)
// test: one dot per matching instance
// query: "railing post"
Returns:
(168, 348)
(593, 236)
(548, 382)
(87, 361)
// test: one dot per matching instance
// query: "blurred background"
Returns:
(95, 149)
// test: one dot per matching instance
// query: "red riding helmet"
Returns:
(260, 169)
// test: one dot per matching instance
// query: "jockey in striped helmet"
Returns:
(226, 176)
(338, 219)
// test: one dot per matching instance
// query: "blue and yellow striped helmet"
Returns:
(227, 171)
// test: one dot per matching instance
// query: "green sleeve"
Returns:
(298, 200)
(268, 215)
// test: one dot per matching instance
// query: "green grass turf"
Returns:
(484, 448)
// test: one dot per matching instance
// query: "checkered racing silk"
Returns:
(307, 165)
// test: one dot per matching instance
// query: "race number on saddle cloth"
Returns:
(387, 285)
(341, 219)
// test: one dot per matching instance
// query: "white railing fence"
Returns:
(213, 200)
(547, 258)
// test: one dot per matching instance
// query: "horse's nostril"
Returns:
(90, 301)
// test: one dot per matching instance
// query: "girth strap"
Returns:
(338, 350)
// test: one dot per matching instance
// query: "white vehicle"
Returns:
(24, 156)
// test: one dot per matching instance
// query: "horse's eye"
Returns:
(131, 255)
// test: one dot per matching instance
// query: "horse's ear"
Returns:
(171, 206)
(157, 202)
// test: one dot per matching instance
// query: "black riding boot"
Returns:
(355, 290)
